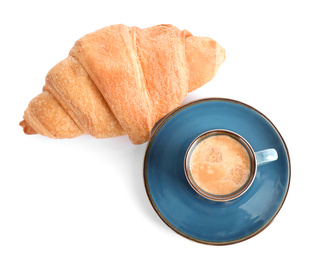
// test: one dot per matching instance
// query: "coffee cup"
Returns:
(221, 165)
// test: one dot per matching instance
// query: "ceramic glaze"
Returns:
(188, 213)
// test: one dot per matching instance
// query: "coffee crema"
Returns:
(220, 165)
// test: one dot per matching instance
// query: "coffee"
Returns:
(220, 164)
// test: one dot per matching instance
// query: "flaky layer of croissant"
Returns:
(121, 80)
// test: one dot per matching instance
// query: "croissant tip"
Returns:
(27, 129)
(220, 57)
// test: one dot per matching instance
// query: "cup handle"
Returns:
(266, 156)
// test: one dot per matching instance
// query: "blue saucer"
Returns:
(182, 208)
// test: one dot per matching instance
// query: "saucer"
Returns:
(181, 207)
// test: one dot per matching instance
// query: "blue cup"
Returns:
(255, 160)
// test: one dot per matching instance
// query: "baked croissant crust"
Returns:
(121, 80)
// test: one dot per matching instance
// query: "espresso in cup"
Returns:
(220, 164)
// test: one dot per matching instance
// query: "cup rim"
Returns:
(235, 194)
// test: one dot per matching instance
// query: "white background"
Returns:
(84, 198)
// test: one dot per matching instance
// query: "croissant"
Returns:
(121, 80)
